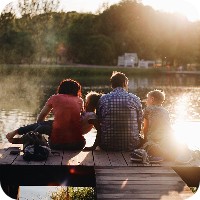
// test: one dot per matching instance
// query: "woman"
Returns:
(65, 130)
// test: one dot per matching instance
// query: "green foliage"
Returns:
(60, 194)
(42, 35)
(73, 193)
(81, 193)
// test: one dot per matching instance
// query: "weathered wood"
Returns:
(101, 158)
(78, 158)
(55, 158)
(6, 157)
(116, 176)
(116, 159)
(139, 183)
(135, 170)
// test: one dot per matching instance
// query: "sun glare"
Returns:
(188, 8)
(186, 132)
(181, 107)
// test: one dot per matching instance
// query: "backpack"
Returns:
(35, 147)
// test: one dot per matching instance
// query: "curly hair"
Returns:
(69, 86)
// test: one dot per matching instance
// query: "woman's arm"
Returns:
(43, 113)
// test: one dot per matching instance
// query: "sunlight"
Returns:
(188, 8)
(181, 107)
(186, 132)
(124, 183)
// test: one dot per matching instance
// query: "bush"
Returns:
(74, 193)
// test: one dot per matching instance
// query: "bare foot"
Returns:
(10, 136)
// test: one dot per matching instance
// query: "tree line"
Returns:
(36, 32)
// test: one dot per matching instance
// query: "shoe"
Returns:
(153, 159)
(136, 156)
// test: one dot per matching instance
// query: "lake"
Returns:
(24, 92)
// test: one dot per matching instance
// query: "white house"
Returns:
(128, 60)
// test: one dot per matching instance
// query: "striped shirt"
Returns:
(118, 113)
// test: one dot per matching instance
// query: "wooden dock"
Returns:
(116, 176)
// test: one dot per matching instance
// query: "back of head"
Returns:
(158, 95)
(118, 79)
(92, 99)
(69, 86)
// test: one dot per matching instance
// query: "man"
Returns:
(120, 115)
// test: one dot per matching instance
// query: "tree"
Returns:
(82, 27)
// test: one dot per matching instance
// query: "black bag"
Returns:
(35, 147)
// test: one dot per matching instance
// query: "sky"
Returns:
(189, 8)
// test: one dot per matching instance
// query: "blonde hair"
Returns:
(158, 95)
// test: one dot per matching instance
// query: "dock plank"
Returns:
(78, 158)
(116, 176)
(116, 158)
(55, 158)
(101, 158)
(140, 183)
(6, 157)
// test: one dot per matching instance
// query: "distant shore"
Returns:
(82, 69)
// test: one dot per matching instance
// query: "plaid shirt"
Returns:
(118, 113)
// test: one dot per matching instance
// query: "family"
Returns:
(120, 121)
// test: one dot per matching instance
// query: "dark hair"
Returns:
(93, 98)
(69, 86)
(118, 79)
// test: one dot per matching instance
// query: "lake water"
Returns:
(22, 97)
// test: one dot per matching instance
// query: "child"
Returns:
(158, 132)
(89, 117)
(156, 124)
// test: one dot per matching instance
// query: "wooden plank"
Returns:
(6, 157)
(140, 183)
(55, 158)
(116, 159)
(147, 188)
(101, 158)
(78, 158)
(3, 148)
(20, 161)
(134, 170)
(141, 196)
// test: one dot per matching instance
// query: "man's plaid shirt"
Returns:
(119, 112)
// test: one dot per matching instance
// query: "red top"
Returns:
(67, 125)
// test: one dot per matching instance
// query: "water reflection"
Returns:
(13, 119)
